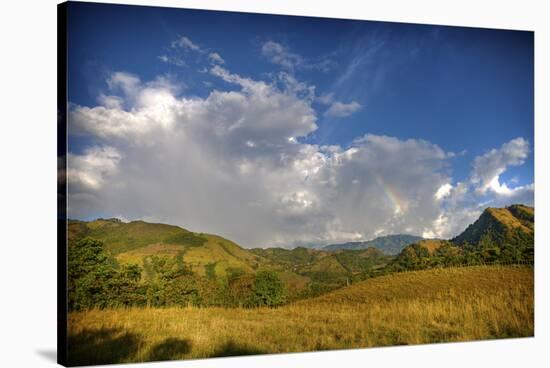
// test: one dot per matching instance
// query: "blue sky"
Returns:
(465, 90)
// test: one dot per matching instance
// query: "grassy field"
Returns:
(444, 305)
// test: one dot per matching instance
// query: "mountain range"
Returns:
(498, 232)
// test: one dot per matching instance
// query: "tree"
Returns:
(95, 280)
(129, 290)
(89, 275)
(268, 289)
(170, 283)
(241, 291)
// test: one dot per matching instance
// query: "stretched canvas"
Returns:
(235, 184)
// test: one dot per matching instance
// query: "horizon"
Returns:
(294, 246)
(127, 221)
(293, 130)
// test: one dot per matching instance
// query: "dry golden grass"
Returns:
(410, 308)
(430, 244)
(504, 216)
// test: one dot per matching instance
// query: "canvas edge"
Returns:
(62, 183)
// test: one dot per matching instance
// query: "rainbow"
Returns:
(400, 204)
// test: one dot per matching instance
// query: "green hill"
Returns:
(218, 265)
(305, 272)
(137, 241)
(290, 258)
(119, 237)
(325, 270)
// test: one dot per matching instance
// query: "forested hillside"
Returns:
(112, 263)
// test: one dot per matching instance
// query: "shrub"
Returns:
(268, 289)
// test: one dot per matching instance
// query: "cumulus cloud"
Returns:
(232, 163)
(87, 174)
(487, 168)
(443, 191)
(458, 207)
(88, 170)
(125, 82)
(235, 163)
(148, 110)
(340, 110)
(110, 101)
(462, 203)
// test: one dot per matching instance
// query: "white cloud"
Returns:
(141, 108)
(174, 60)
(111, 102)
(216, 58)
(185, 43)
(443, 191)
(487, 168)
(326, 98)
(297, 88)
(462, 204)
(499, 188)
(183, 51)
(340, 110)
(458, 208)
(87, 172)
(125, 82)
(234, 163)
(281, 55)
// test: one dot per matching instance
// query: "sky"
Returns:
(285, 131)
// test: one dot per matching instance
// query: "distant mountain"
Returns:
(389, 244)
(513, 225)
